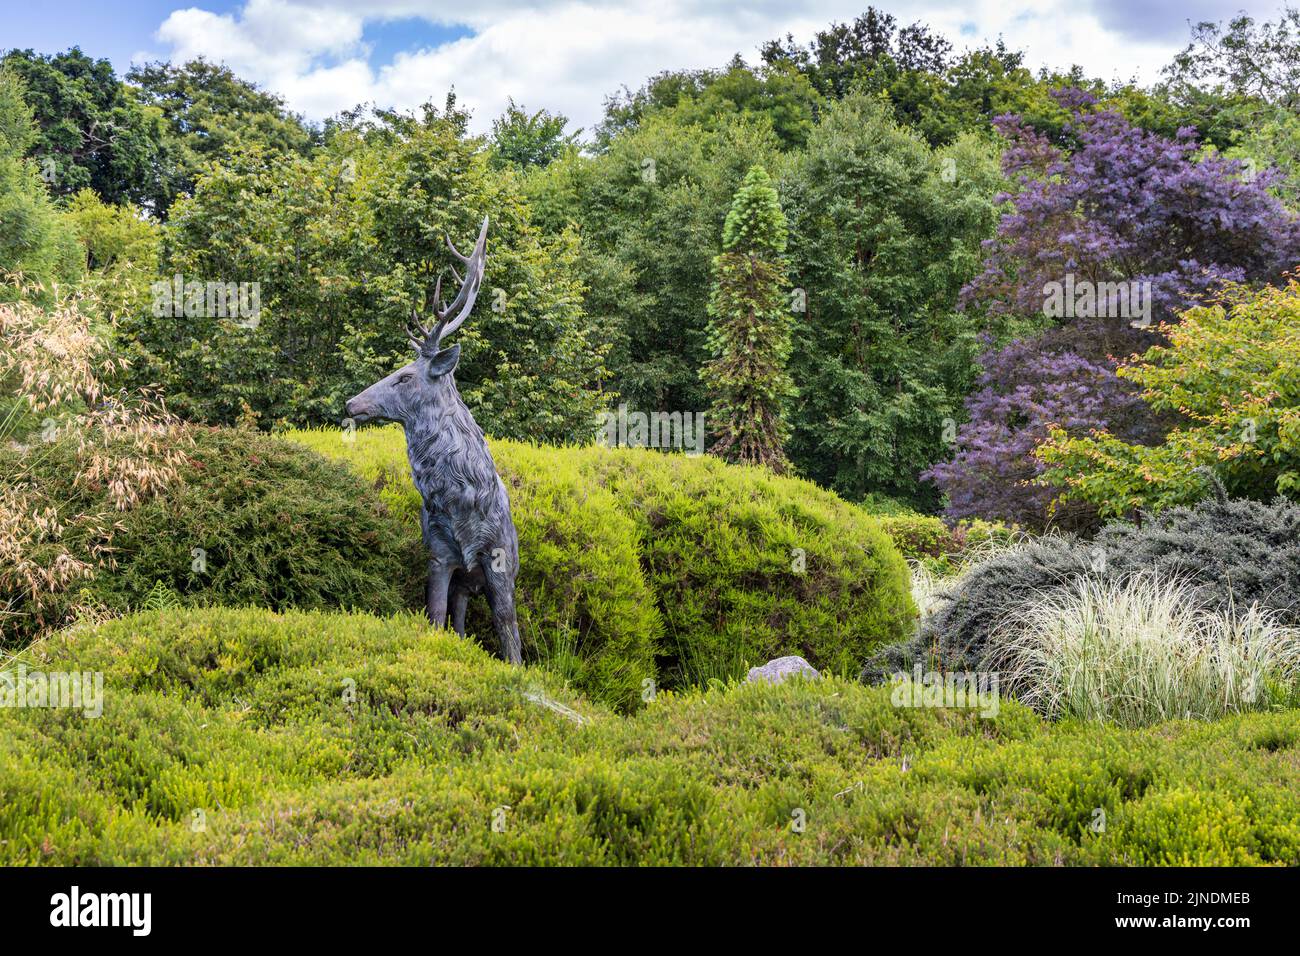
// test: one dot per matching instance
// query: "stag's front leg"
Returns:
(436, 596)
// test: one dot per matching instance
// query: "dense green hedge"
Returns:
(332, 738)
(277, 527)
(916, 535)
(685, 568)
(939, 546)
(748, 566)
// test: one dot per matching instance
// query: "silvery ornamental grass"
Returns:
(1142, 649)
(931, 589)
(928, 588)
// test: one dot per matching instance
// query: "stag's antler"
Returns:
(425, 339)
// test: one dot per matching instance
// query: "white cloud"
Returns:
(567, 56)
(269, 38)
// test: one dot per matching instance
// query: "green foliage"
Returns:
(35, 241)
(942, 549)
(878, 504)
(749, 330)
(91, 132)
(255, 520)
(917, 535)
(697, 567)
(1231, 371)
(367, 219)
(984, 83)
(1245, 56)
(650, 211)
(209, 114)
(942, 96)
(17, 122)
(747, 566)
(161, 598)
(522, 139)
(121, 250)
(887, 231)
(780, 97)
(868, 54)
(1273, 142)
(755, 223)
(345, 739)
(973, 534)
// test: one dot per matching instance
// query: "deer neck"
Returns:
(445, 445)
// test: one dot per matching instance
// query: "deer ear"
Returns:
(444, 361)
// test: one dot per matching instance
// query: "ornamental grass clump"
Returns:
(1236, 552)
(1142, 649)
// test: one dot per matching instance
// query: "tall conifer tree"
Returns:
(749, 330)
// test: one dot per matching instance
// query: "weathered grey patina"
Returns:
(465, 519)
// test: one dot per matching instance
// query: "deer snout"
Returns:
(357, 410)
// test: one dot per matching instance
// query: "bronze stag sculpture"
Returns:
(465, 517)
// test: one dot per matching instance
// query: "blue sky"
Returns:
(565, 55)
(120, 31)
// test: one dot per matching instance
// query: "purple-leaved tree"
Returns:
(1101, 244)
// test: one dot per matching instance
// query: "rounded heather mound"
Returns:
(253, 520)
(637, 565)
(747, 566)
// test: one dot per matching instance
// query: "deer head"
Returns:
(400, 396)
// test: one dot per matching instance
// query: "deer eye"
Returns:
(404, 379)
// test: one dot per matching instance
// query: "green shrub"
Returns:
(971, 534)
(637, 564)
(878, 504)
(916, 535)
(747, 566)
(941, 547)
(278, 527)
(330, 738)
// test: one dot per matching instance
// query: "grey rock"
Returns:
(778, 670)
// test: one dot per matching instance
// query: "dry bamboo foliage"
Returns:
(54, 364)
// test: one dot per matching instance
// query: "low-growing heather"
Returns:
(747, 566)
(241, 736)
